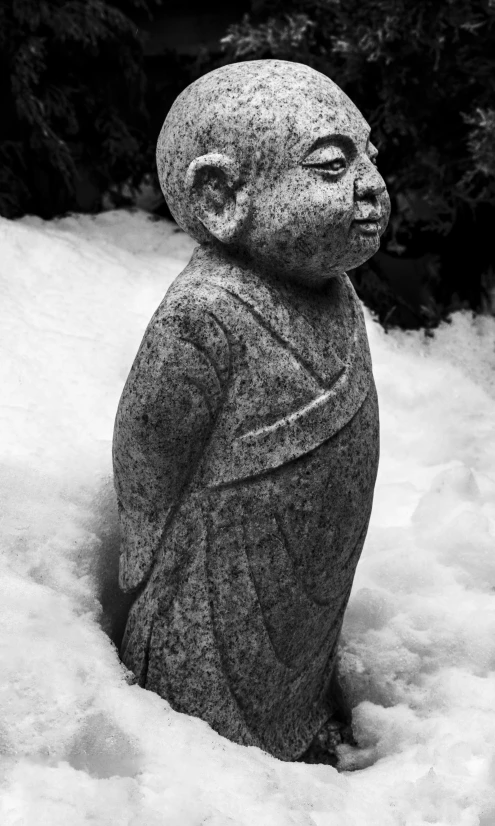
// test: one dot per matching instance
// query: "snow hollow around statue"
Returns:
(78, 744)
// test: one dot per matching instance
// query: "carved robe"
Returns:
(245, 454)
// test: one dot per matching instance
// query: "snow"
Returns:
(78, 743)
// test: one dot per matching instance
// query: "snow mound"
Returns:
(78, 743)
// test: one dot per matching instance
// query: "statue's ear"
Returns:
(217, 197)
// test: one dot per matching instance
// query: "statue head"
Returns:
(272, 164)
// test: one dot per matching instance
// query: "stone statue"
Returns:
(246, 441)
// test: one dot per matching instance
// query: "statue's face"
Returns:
(319, 206)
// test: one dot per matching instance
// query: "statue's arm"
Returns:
(165, 417)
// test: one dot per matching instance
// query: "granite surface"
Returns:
(246, 440)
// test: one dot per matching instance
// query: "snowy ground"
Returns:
(78, 745)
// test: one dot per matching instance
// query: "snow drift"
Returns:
(78, 743)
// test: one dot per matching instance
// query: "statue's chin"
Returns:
(367, 248)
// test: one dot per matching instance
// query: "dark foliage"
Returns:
(423, 73)
(74, 120)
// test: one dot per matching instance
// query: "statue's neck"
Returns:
(302, 289)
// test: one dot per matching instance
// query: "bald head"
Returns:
(248, 113)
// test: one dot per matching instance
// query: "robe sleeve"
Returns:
(165, 416)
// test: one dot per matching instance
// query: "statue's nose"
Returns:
(368, 181)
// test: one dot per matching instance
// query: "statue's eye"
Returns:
(337, 165)
(327, 158)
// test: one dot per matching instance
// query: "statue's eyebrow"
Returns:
(331, 140)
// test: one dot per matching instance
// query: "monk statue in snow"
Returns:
(246, 441)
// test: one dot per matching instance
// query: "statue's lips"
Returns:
(369, 226)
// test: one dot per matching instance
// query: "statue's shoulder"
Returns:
(187, 325)
(201, 289)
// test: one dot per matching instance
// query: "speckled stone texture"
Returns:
(246, 441)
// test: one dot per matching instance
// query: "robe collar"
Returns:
(270, 305)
